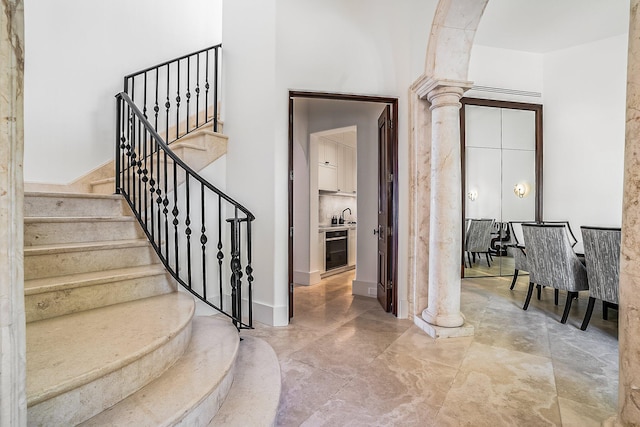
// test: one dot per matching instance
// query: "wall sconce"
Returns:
(521, 189)
(472, 195)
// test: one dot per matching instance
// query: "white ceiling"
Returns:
(546, 25)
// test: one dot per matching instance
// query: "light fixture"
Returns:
(472, 195)
(521, 189)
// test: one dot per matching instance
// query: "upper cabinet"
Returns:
(347, 169)
(336, 167)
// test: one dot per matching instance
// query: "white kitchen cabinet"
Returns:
(328, 153)
(327, 178)
(351, 248)
(347, 169)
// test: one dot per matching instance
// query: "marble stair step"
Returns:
(255, 394)
(71, 258)
(57, 296)
(80, 364)
(74, 204)
(192, 390)
(69, 229)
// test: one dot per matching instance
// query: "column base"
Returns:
(446, 321)
(612, 422)
(466, 330)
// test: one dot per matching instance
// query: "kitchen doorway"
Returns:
(311, 112)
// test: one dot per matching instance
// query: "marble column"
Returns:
(629, 318)
(13, 408)
(442, 316)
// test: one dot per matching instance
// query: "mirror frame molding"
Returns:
(537, 108)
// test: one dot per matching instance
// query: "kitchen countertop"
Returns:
(329, 227)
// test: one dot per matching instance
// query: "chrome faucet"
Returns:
(342, 215)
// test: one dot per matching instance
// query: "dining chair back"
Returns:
(478, 239)
(517, 251)
(602, 254)
(553, 263)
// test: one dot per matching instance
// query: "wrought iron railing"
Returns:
(180, 95)
(184, 216)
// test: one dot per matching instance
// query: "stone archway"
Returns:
(435, 191)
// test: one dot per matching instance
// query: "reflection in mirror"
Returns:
(501, 144)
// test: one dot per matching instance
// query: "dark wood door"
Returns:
(385, 181)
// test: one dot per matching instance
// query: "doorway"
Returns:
(349, 105)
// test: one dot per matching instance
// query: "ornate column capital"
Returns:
(431, 87)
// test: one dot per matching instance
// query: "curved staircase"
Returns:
(112, 340)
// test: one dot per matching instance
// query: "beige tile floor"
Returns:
(345, 362)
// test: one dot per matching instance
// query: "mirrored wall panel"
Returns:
(502, 152)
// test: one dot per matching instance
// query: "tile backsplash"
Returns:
(330, 205)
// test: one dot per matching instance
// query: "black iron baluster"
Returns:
(175, 213)
(156, 107)
(249, 271)
(206, 88)
(177, 104)
(188, 94)
(159, 199)
(203, 241)
(165, 210)
(198, 90)
(187, 230)
(145, 177)
(215, 92)
(220, 254)
(137, 176)
(144, 105)
(167, 106)
(128, 152)
(152, 183)
(236, 268)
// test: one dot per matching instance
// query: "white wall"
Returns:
(76, 55)
(506, 69)
(584, 131)
(360, 46)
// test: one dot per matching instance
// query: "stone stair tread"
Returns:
(38, 219)
(83, 246)
(181, 144)
(189, 392)
(255, 394)
(66, 352)
(71, 281)
(72, 194)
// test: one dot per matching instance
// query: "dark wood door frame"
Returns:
(537, 108)
(393, 102)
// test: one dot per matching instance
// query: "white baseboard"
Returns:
(403, 309)
(270, 315)
(306, 278)
(363, 288)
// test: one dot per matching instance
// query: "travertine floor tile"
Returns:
(345, 362)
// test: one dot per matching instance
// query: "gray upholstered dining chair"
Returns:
(517, 251)
(553, 263)
(602, 253)
(478, 239)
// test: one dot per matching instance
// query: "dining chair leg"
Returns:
(539, 288)
(567, 306)
(556, 293)
(605, 310)
(529, 293)
(487, 256)
(587, 315)
(515, 277)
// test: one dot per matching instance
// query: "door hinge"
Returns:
(389, 231)
(389, 285)
(391, 124)
(390, 178)
(290, 231)
(290, 175)
(290, 287)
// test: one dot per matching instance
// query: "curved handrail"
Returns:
(146, 181)
(175, 158)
